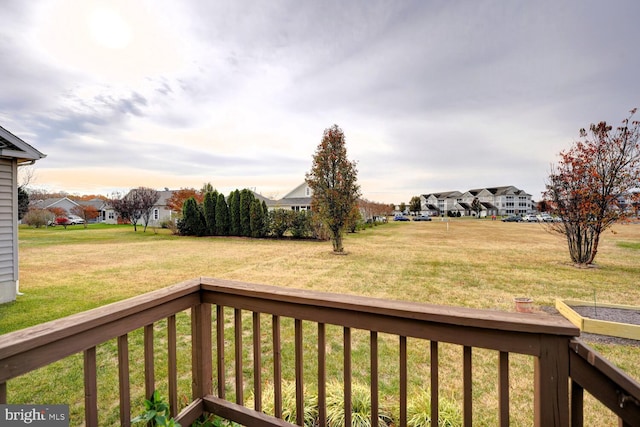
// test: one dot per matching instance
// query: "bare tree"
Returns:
(136, 205)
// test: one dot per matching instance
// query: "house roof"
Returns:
(443, 195)
(501, 191)
(49, 203)
(294, 201)
(96, 203)
(488, 205)
(14, 147)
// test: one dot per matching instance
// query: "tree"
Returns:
(403, 207)
(590, 184)
(58, 211)
(63, 221)
(86, 212)
(280, 221)
(177, 199)
(333, 180)
(136, 205)
(476, 206)
(192, 222)
(222, 216)
(38, 217)
(246, 197)
(234, 213)
(23, 202)
(209, 205)
(414, 204)
(146, 198)
(206, 188)
(257, 219)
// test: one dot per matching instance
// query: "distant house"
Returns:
(507, 200)
(298, 199)
(64, 203)
(13, 153)
(160, 212)
(439, 203)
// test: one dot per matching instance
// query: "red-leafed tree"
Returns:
(333, 179)
(590, 185)
(86, 212)
(177, 199)
(58, 211)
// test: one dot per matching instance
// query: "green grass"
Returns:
(474, 263)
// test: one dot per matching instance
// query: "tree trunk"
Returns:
(337, 241)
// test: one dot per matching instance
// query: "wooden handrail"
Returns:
(550, 340)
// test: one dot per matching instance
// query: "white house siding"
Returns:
(8, 230)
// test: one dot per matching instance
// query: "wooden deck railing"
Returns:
(240, 344)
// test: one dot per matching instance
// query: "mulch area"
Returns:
(631, 317)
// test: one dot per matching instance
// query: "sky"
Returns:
(432, 96)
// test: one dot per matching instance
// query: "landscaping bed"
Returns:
(603, 322)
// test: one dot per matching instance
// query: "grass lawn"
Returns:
(465, 262)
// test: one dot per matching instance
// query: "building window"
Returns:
(156, 214)
(307, 191)
(111, 215)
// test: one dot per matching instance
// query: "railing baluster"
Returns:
(172, 365)
(90, 388)
(277, 367)
(220, 350)
(551, 383)
(373, 346)
(123, 380)
(299, 373)
(322, 375)
(237, 314)
(434, 383)
(503, 387)
(403, 381)
(201, 369)
(467, 384)
(347, 377)
(149, 375)
(577, 405)
(257, 363)
(3, 393)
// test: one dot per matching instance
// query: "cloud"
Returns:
(431, 96)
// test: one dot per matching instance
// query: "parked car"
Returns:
(400, 218)
(531, 218)
(512, 218)
(422, 218)
(75, 219)
(546, 217)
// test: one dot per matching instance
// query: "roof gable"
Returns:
(299, 191)
(14, 147)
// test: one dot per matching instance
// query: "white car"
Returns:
(531, 218)
(75, 219)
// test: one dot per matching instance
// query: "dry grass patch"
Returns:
(473, 263)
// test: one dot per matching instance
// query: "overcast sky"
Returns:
(432, 95)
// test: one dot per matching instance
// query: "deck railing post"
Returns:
(551, 382)
(201, 353)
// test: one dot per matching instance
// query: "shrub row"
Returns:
(242, 214)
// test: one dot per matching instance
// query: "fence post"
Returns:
(201, 353)
(551, 394)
